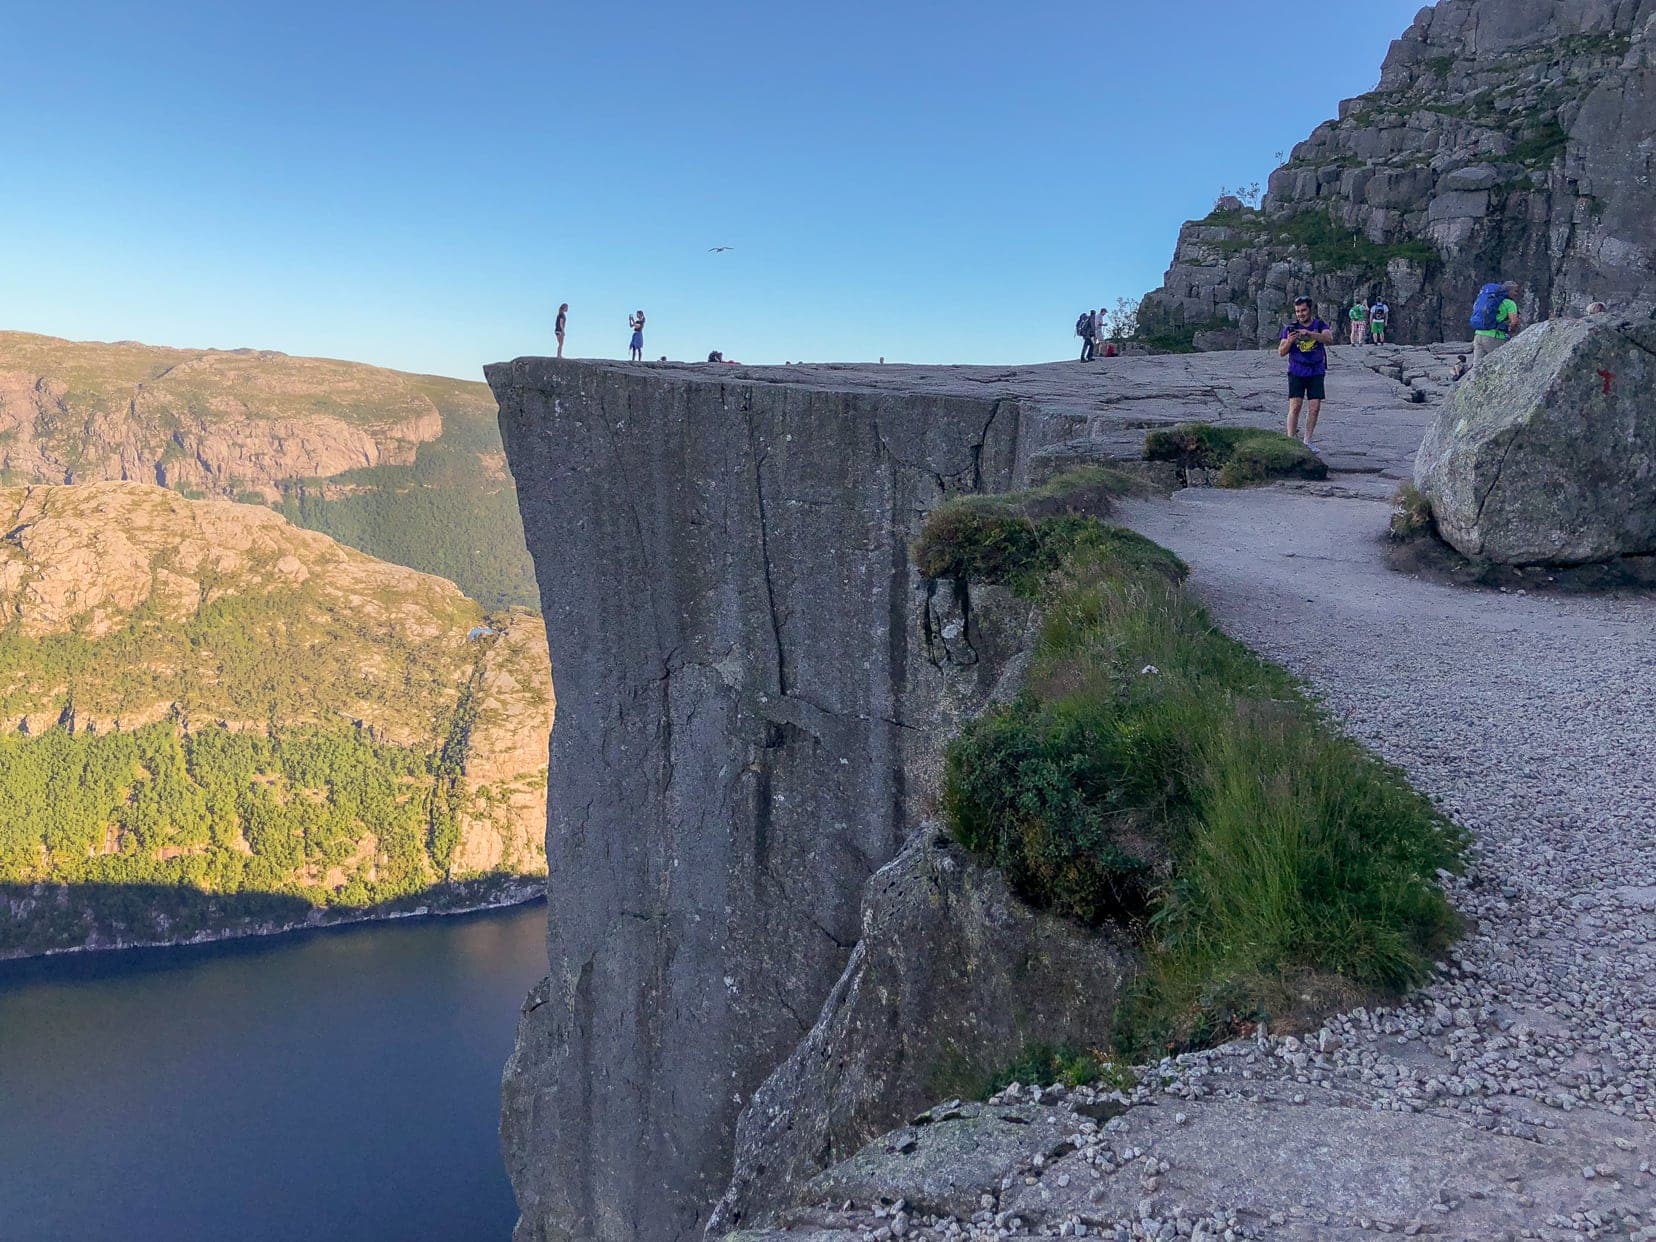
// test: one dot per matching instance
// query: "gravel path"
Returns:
(1531, 719)
(1515, 1097)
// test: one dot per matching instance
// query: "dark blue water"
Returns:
(338, 1084)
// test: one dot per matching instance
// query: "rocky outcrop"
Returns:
(1507, 139)
(1546, 453)
(954, 977)
(753, 682)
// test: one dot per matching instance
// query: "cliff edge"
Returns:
(753, 684)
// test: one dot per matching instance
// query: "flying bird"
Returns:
(719, 249)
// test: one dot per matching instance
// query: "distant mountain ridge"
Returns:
(204, 703)
(405, 467)
(1507, 139)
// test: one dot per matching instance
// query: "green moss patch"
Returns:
(1019, 539)
(1241, 456)
(1156, 775)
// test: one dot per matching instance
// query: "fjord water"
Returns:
(339, 1084)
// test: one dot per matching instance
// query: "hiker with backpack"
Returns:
(1494, 318)
(1359, 316)
(1379, 313)
(1086, 328)
(1305, 344)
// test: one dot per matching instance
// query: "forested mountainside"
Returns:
(212, 720)
(408, 468)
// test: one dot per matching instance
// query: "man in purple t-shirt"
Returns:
(1305, 344)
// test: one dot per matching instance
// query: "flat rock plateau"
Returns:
(734, 710)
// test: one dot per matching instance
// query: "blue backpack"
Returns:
(1487, 307)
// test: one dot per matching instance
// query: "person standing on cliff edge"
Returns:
(1305, 344)
(558, 328)
(635, 321)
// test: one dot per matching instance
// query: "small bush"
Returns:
(1241, 455)
(1032, 787)
(1018, 539)
(1411, 516)
(1043, 1064)
(1541, 147)
(1156, 774)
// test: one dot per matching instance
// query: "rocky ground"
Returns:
(1515, 1097)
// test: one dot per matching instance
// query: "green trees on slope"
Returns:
(445, 515)
(327, 815)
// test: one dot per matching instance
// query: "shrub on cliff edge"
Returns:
(1241, 455)
(1158, 774)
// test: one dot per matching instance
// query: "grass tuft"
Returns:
(1158, 775)
(1242, 456)
(1043, 1065)
(1018, 539)
(1411, 516)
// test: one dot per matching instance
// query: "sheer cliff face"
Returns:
(1507, 139)
(752, 682)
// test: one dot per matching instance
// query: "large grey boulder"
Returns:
(953, 978)
(1546, 453)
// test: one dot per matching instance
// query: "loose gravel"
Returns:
(1531, 719)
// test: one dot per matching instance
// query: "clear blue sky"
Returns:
(420, 184)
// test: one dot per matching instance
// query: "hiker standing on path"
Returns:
(1305, 344)
(636, 323)
(1359, 315)
(558, 328)
(1379, 314)
(1086, 328)
(1494, 318)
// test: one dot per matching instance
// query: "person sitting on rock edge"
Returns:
(1305, 344)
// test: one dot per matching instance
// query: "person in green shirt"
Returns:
(1486, 341)
(1358, 314)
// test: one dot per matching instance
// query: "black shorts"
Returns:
(1306, 386)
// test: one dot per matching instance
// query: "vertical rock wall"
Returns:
(752, 682)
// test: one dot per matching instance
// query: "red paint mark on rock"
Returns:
(1607, 377)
